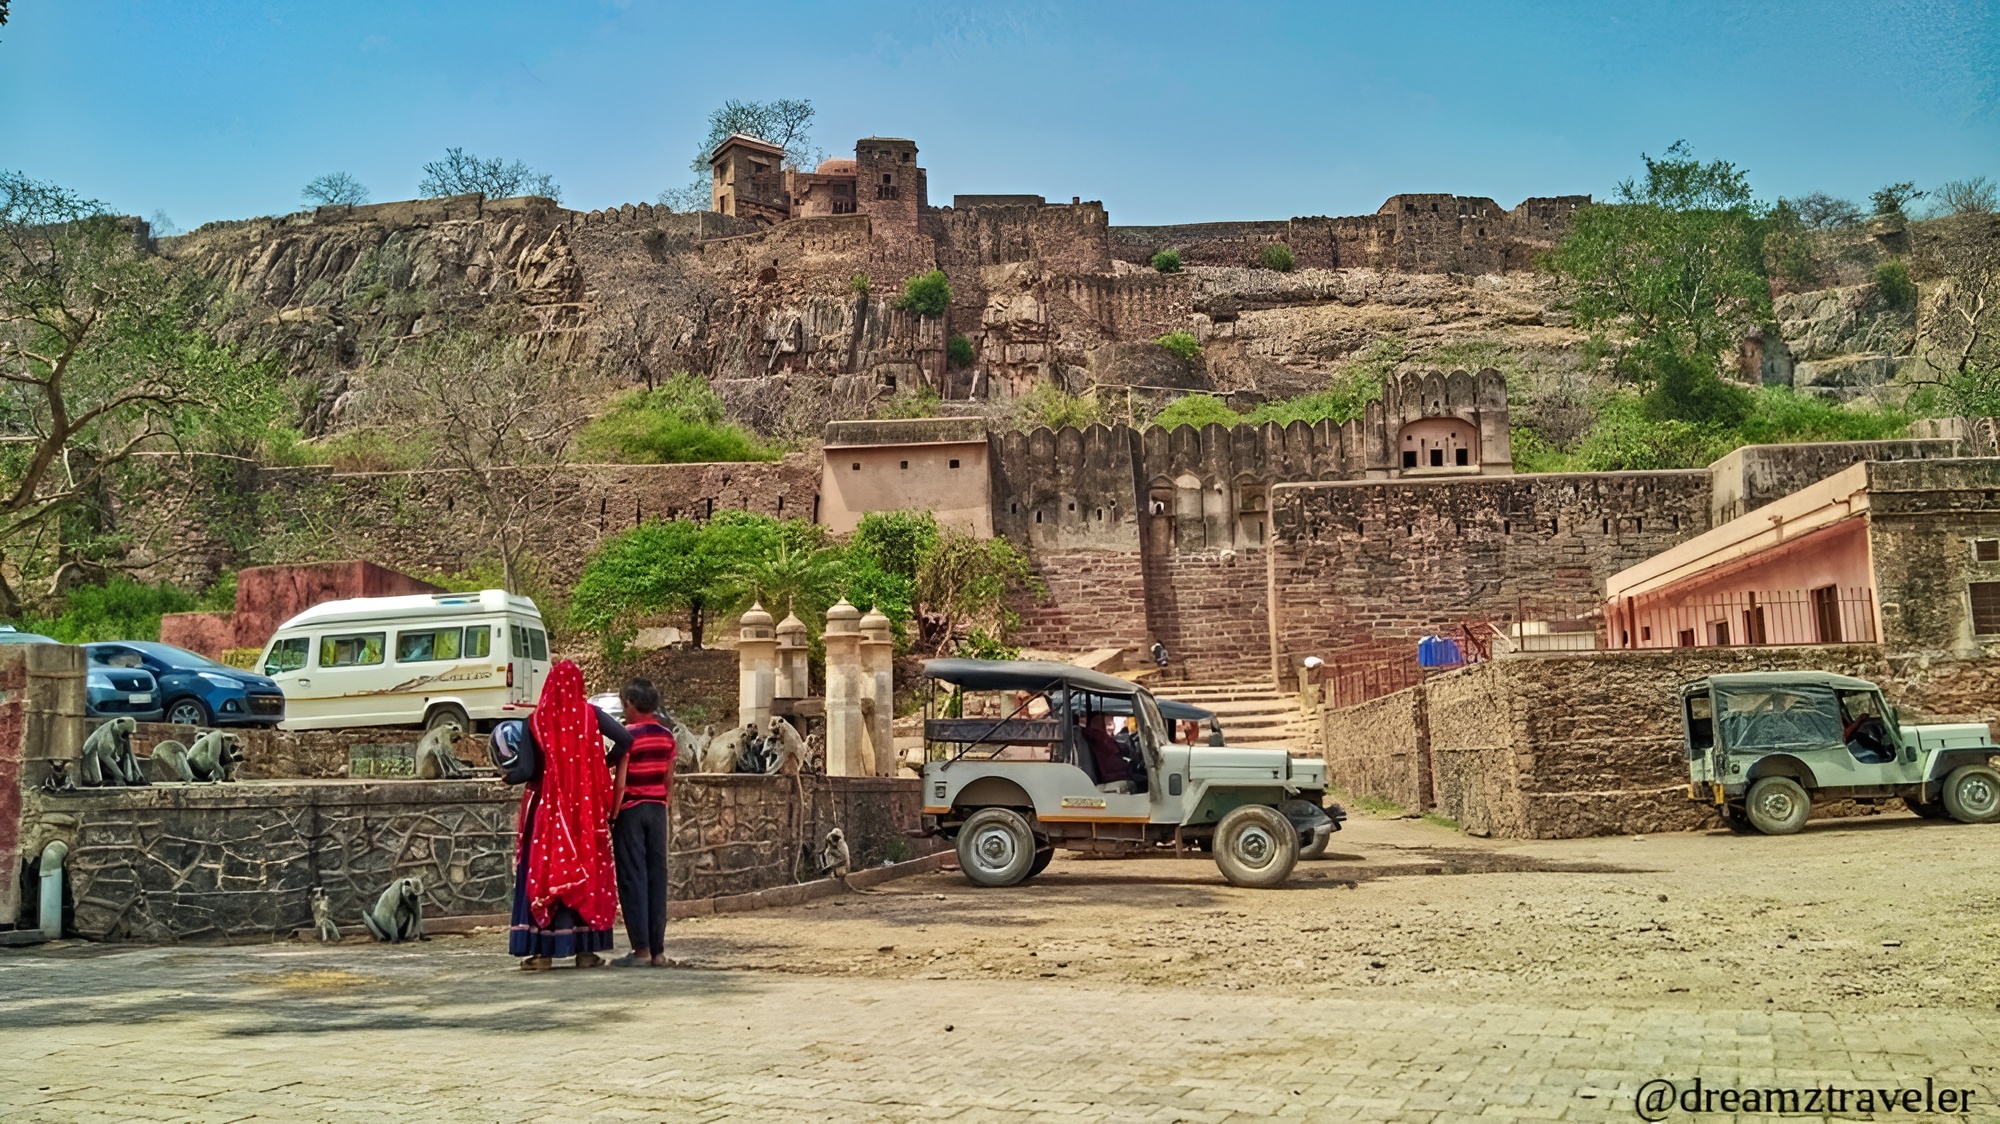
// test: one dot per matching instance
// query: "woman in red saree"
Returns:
(565, 886)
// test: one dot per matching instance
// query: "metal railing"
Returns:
(1826, 615)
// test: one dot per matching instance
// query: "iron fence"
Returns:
(1826, 615)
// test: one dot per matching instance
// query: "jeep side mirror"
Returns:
(1215, 733)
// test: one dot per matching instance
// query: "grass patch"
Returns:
(1372, 805)
(1443, 821)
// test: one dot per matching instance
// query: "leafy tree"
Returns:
(1678, 262)
(959, 352)
(679, 422)
(104, 354)
(964, 584)
(671, 566)
(1167, 261)
(896, 541)
(1788, 247)
(459, 172)
(1890, 199)
(1820, 211)
(926, 294)
(338, 189)
(1182, 344)
(1976, 196)
(1276, 256)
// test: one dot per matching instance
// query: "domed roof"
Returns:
(874, 621)
(791, 624)
(836, 167)
(757, 616)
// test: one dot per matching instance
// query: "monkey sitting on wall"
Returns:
(689, 746)
(787, 751)
(399, 913)
(721, 753)
(170, 762)
(108, 759)
(435, 758)
(214, 756)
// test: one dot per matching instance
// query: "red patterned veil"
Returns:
(569, 854)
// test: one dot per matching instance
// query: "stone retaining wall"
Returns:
(234, 861)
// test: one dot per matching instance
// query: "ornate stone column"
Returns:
(847, 749)
(756, 660)
(878, 687)
(794, 676)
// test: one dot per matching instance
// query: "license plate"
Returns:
(145, 698)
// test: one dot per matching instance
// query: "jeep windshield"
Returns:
(1777, 716)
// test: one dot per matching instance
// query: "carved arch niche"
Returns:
(1431, 444)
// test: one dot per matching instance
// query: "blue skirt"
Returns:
(566, 934)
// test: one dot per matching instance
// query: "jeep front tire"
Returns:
(1972, 794)
(1777, 806)
(1256, 846)
(996, 847)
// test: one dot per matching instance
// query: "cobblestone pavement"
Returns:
(447, 1030)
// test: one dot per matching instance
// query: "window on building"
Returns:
(1409, 458)
(1986, 550)
(954, 464)
(1718, 633)
(903, 464)
(1686, 638)
(1462, 457)
(1437, 458)
(1986, 608)
(1826, 613)
(1753, 625)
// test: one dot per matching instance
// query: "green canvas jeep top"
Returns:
(1760, 746)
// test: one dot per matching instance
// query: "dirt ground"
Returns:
(1886, 912)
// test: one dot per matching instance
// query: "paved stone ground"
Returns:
(447, 1030)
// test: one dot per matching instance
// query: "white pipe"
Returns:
(50, 917)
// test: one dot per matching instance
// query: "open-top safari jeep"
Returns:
(1761, 746)
(1013, 786)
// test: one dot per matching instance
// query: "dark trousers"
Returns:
(639, 846)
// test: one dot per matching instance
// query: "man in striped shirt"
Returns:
(640, 793)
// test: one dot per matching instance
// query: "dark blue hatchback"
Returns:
(196, 690)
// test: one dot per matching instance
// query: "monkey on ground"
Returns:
(834, 857)
(108, 759)
(399, 913)
(323, 915)
(436, 759)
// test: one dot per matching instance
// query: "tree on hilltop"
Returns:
(461, 173)
(1676, 260)
(786, 123)
(336, 189)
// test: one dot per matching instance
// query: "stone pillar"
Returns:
(794, 676)
(847, 750)
(756, 659)
(878, 686)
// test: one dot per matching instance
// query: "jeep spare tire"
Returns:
(1972, 794)
(996, 847)
(1777, 806)
(1256, 846)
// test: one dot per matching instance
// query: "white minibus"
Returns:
(422, 660)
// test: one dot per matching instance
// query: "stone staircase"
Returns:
(1252, 714)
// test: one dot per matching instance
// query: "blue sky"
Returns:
(1168, 111)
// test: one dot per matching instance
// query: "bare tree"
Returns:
(1821, 211)
(336, 189)
(494, 416)
(102, 355)
(1976, 196)
(786, 122)
(459, 172)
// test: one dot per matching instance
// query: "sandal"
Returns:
(536, 964)
(589, 960)
(629, 960)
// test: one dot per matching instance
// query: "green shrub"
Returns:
(680, 422)
(120, 609)
(1197, 410)
(896, 541)
(1049, 405)
(1182, 344)
(922, 402)
(859, 284)
(1629, 437)
(926, 294)
(1892, 281)
(1276, 256)
(959, 352)
(1167, 261)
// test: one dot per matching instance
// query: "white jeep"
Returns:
(1048, 772)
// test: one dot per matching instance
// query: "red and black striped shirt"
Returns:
(649, 767)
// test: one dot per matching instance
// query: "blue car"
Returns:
(196, 690)
(127, 691)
